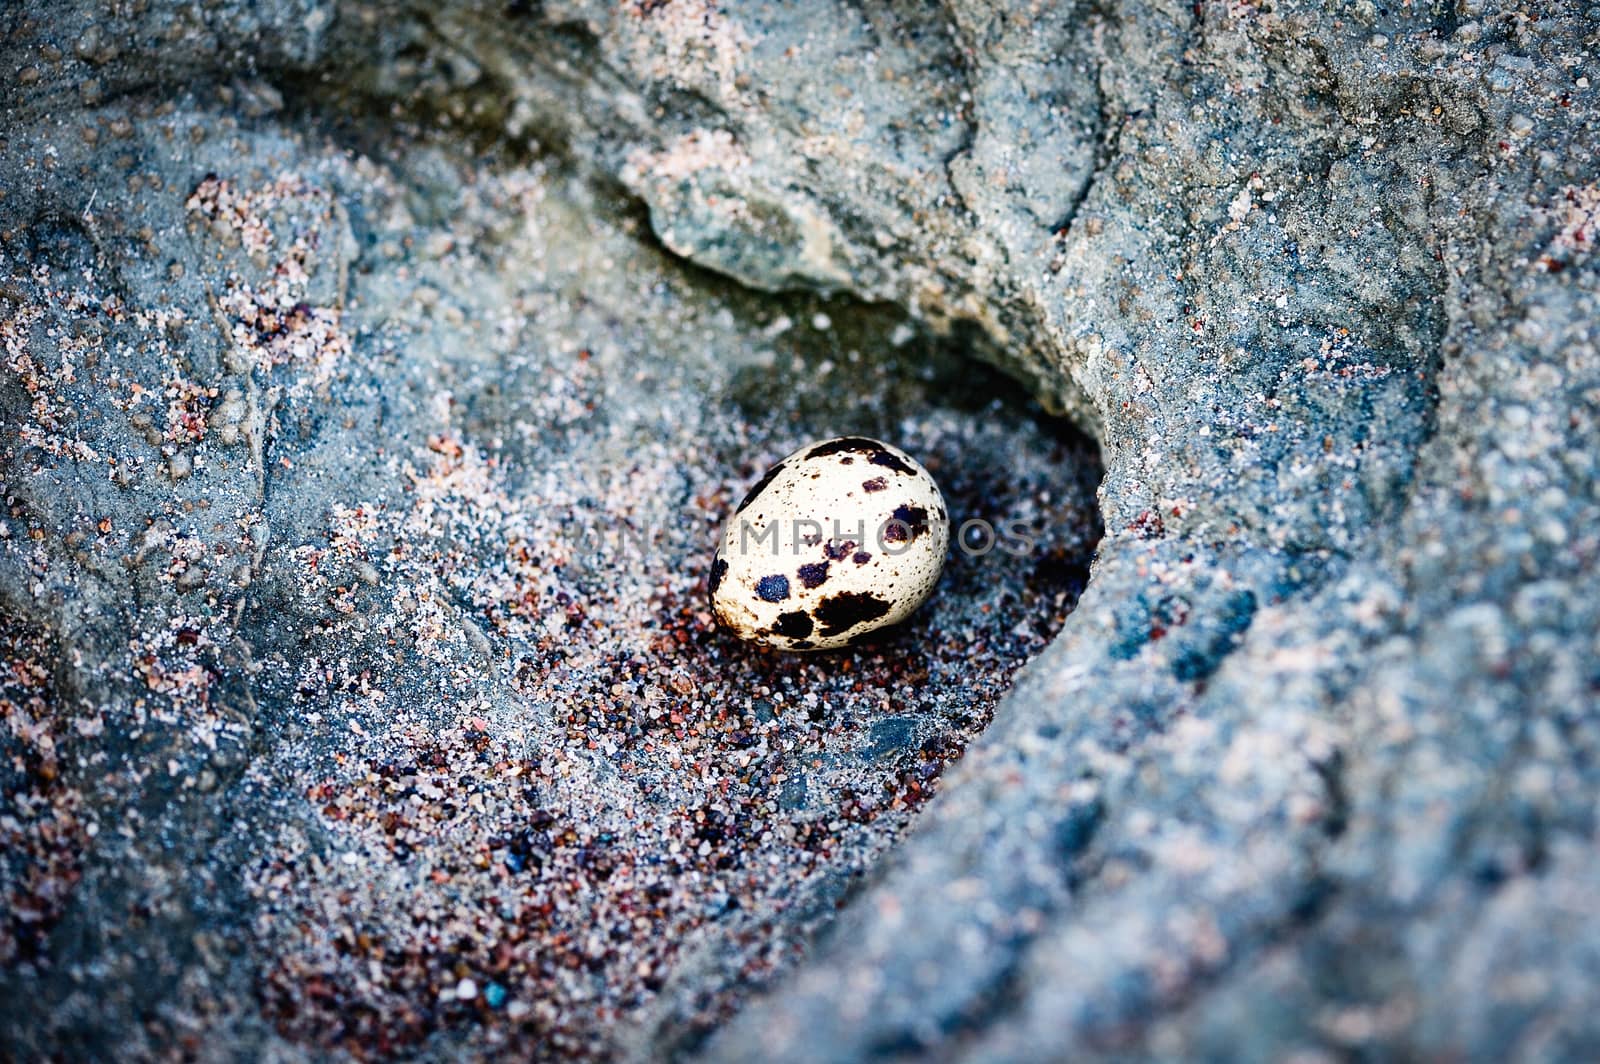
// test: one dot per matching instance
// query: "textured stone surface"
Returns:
(1311, 766)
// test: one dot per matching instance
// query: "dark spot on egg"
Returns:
(794, 625)
(875, 452)
(773, 588)
(841, 612)
(875, 484)
(845, 445)
(889, 461)
(719, 569)
(838, 552)
(801, 644)
(861, 557)
(813, 574)
(766, 478)
(909, 521)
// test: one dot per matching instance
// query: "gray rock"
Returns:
(1308, 770)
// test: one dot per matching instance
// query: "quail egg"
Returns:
(839, 539)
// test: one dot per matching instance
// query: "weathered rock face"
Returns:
(1310, 767)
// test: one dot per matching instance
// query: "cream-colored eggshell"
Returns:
(841, 538)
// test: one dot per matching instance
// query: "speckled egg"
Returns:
(839, 539)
